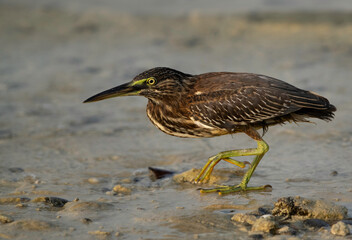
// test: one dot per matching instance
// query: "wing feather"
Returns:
(239, 106)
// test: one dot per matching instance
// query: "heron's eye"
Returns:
(151, 81)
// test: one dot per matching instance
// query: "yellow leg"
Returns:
(208, 168)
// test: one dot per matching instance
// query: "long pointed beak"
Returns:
(126, 89)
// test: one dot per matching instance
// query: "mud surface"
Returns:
(54, 149)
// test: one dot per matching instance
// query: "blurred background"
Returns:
(55, 54)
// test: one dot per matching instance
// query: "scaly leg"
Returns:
(258, 152)
(209, 167)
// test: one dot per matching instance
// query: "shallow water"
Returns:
(51, 144)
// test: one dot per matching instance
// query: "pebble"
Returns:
(289, 206)
(5, 219)
(315, 223)
(100, 233)
(286, 230)
(264, 225)
(86, 220)
(21, 205)
(217, 176)
(53, 201)
(16, 170)
(157, 173)
(244, 218)
(256, 236)
(121, 189)
(93, 180)
(340, 229)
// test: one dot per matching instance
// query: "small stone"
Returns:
(157, 173)
(319, 209)
(99, 233)
(126, 180)
(180, 207)
(122, 189)
(256, 236)
(286, 230)
(16, 170)
(86, 220)
(244, 218)
(218, 175)
(267, 209)
(284, 207)
(334, 173)
(264, 225)
(5, 219)
(93, 180)
(21, 205)
(268, 216)
(110, 193)
(315, 223)
(340, 228)
(53, 201)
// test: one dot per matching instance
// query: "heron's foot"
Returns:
(207, 170)
(233, 189)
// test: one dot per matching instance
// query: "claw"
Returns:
(233, 189)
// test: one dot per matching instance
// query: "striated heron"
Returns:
(219, 103)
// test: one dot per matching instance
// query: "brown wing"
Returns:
(239, 107)
(241, 99)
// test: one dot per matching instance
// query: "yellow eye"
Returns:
(151, 81)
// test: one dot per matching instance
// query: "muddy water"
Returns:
(52, 145)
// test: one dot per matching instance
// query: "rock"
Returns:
(244, 218)
(100, 233)
(5, 219)
(157, 173)
(264, 225)
(53, 201)
(262, 211)
(318, 209)
(86, 220)
(21, 205)
(340, 228)
(216, 177)
(256, 236)
(315, 223)
(286, 230)
(122, 189)
(285, 207)
(16, 170)
(93, 180)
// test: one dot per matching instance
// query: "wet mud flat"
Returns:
(77, 171)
